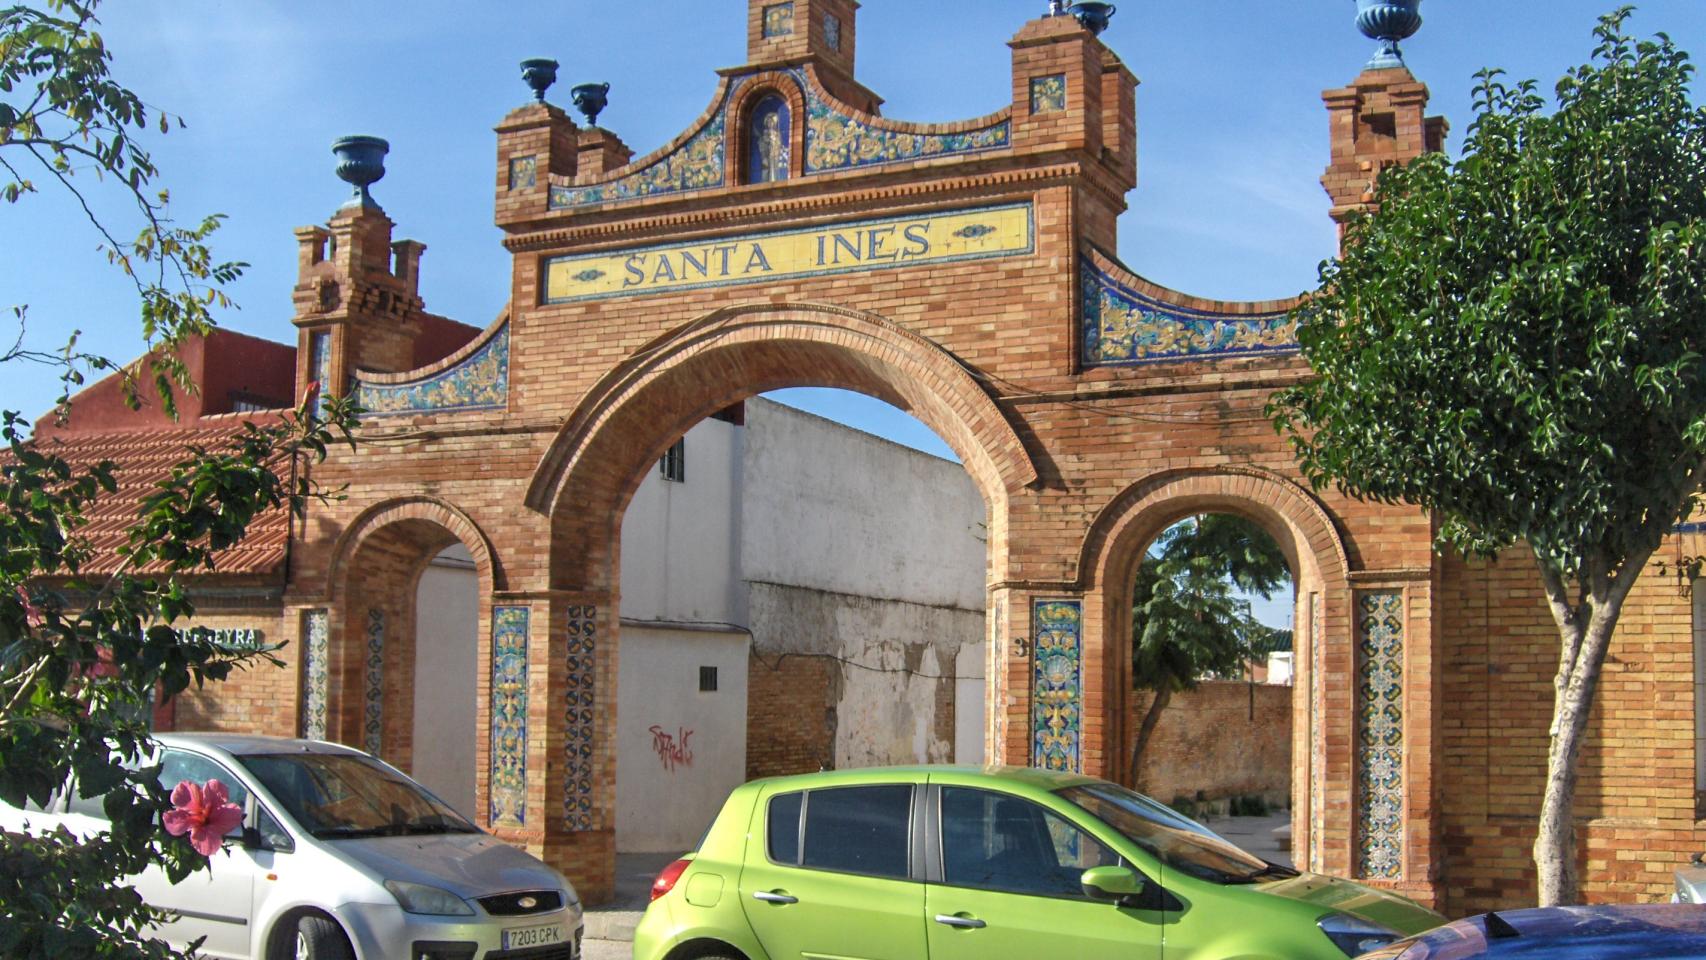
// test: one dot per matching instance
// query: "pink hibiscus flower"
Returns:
(206, 813)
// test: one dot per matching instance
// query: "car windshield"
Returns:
(1177, 841)
(340, 797)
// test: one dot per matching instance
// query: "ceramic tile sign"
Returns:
(766, 257)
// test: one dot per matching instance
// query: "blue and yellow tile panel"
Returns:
(510, 629)
(834, 140)
(1123, 327)
(316, 630)
(1380, 735)
(479, 382)
(1057, 689)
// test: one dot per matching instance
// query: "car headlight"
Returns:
(419, 898)
(1354, 935)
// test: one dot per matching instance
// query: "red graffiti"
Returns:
(672, 749)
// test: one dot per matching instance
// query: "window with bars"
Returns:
(674, 463)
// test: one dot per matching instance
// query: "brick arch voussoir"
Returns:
(852, 347)
(375, 520)
(1302, 527)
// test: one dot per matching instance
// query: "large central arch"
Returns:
(585, 479)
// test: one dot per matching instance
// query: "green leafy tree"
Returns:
(1514, 342)
(80, 656)
(1190, 617)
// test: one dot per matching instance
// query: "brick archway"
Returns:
(1321, 705)
(374, 578)
(637, 410)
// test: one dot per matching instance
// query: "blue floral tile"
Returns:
(523, 173)
(832, 31)
(1123, 327)
(509, 716)
(1380, 735)
(1057, 690)
(479, 382)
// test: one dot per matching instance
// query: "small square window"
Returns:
(779, 20)
(674, 463)
(707, 679)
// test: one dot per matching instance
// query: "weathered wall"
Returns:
(679, 750)
(1635, 807)
(1225, 739)
(871, 556)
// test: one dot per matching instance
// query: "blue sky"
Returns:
(1232, 130)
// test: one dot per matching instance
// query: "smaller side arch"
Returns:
(401, 509)
(1147, 507)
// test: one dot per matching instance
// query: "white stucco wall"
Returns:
(681, 541)
(447, 612)
(873, 554)
(666, 798)
(838, 510)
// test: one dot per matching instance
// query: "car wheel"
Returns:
(318, 938)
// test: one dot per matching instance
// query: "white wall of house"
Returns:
(679, 750)
(681, 541)
(874, 554)
(447, 614)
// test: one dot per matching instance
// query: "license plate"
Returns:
(521, 938)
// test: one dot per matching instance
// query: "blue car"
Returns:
(1668, 931)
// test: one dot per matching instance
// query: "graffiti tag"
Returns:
(672, 748)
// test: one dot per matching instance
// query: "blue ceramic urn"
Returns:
(1094, 16)
(591, 99)
(1389, 21)
(539, 74)
(361, 163)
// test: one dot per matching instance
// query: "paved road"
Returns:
(606, 950)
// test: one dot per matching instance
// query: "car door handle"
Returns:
(769, 897)
(964, 923)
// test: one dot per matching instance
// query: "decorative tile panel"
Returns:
(837, 141)
(509, 716)
(320, 366)
(832, 31)
(1057, 691)
(1124, 327)
(769, 145)
(479, 382)
(523, 173)
(1048, 94)
(315, 643)
(834, 141)
(581, 634)
(1380, 735)
(779, 20)
(373, 726)
(696, 165)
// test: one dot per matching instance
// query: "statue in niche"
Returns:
(768, 143)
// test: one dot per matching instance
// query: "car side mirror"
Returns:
(1118, 884)
(252, 840)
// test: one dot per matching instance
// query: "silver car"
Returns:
(339, 856)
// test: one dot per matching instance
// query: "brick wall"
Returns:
(1225, 739)
(1635, 805)
(258, 699)
(790, 711)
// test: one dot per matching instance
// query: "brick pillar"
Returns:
(536, 143)
(600, 153)
(1377, 122)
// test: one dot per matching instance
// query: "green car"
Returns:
(941, 863)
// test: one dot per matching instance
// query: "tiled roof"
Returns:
(141, 460)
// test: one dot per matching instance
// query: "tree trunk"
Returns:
(1162, 697)
(1585, 629)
